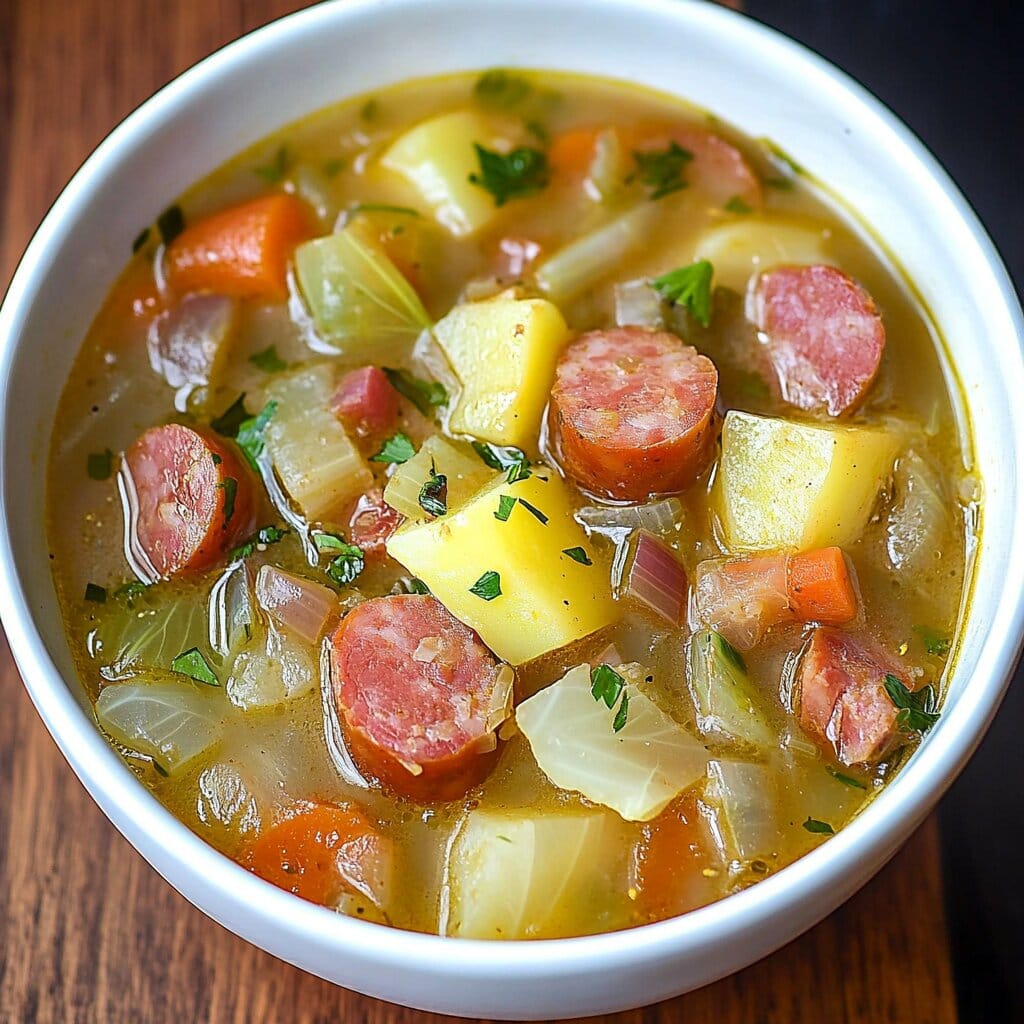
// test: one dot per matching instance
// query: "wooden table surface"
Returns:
(88, 931)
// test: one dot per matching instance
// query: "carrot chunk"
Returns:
(242, 251)
(821, 587)
(571, 152)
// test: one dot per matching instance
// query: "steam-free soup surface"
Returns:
(510, 506)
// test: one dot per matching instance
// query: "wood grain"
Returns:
(88, 932)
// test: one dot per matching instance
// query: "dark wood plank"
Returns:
(88, 932)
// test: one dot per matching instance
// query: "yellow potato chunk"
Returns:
(437, 157)
(547, 599)
(463, 470)
(504, 351)
(793, 485)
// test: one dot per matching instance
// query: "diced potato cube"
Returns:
(318, 464)
(464, 470)
(547, 598)
(437, 157)
(635, 771)
(745, 246)
(504, 351)
(793, 485)
(528, 874)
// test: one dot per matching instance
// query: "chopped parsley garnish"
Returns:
(192, 663)
(140, 240)
(228, 422)
(405, 211)
(846, 780)
(95, 593)
(726, 651)
(690, 287)
(99, 465)
(329, 542)
(274, 172)
(819, 828)
(347, 564)
(498, 457)
(499, 88)
(370, 109)
(934, 642)
(578, 555)
(264, 536)
(620, 716)
(426, 395)
(488, 587)
(268, 360)
(131, 590)
(170, 224)
(518, 471)
(606, 684)
(534, 511)
(738, 205)
(217, 460)
(250, 434)
(229, 485)
(434, 493)
(521, 172)
(917, 707)
(396, 449)
(661, 170)
(505, 505)
(333, 166)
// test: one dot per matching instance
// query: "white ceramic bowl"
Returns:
(747, 74)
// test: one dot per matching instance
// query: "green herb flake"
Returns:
(737, 205)
(131, 590)
(140, 240)
(396, 449)
(217, 460)
(500, 457)
(228, 422)
(229, 485)
(426, 395)
(329, 542)
(518, 471)
(192, 663)
(404, 211)
(727, 652)
(539, 131)
(99, 465)
(95, 593)
(505, 505)
(500, 88)
(534, 511)
(782, 184)
(370, 109)
(333, 167)
(514, 175)
(662, 170)
(346, 565)
(916, 707)
(606, 684)
(578, 555)
(268, 360)
(170, 224)
(274, 171)
(620, 716)
(934, 642)
(250, 434)
(846, 780)
(433, 497)
(690, 287)
(488, 587)
(819, 828)
(265, 536)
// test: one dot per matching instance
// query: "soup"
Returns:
(511, 506)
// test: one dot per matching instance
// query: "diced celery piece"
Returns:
(463, 469)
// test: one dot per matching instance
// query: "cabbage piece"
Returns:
(661, 517)
(316, 461)
(726, 704)
(744, 800)
(163, 716)
(636, 770)
(359, 300)
(522, 874)
(919, 518)
(584, 261)
(283, 670)
(463, 470)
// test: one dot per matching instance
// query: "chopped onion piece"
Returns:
(919, 518)
(607, 168)
(283, 670)
(660, 517)
(657, 578)
(296, 604)
(224, 800)
(232, 613)
(638, 304)
(745, 802)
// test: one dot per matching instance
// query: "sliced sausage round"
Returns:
(418, 697)
(842, 694)
(634, 412)
(187, 498)
(823, 333)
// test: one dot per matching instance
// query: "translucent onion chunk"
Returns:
(657, 578)
(919, 519)
(638, 304)
(294, 603)
(283, 670)
(744, 799)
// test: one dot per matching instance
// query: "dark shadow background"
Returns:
(955, 73)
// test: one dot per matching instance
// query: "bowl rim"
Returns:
(877, 832)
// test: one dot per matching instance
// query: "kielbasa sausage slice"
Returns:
(634, 412)
(823, 333)
(418, 696)
(187, 499)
